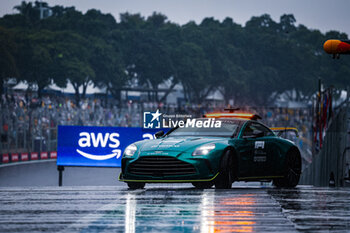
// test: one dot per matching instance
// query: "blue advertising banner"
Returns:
(96, 146)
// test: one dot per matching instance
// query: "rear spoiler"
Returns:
(280, 130)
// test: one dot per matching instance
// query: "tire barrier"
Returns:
(23, 157)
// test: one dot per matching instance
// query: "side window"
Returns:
(267, 131)
(253, 128)
(248, 131)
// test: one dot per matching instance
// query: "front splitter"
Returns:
(120, 178)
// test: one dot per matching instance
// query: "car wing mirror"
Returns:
(159, 134)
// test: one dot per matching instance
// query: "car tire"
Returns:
(225, 178)
(203, 185)
(292, 171)
(136, 185)
(279, 183)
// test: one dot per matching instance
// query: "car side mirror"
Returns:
(159, 134)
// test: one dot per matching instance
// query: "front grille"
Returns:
(160, 166)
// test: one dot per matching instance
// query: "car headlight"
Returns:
(204, 149)
(130, 150)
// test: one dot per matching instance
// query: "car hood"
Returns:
(176, 143)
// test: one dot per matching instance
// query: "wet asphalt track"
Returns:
(180, 208)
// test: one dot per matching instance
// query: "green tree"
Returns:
(250, 64)
(148, 56)
(35, 60)
(109, 68)
(194, 70)
(8, 48)
(287, 23)
(73, 56)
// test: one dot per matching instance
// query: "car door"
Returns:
(245, 148)
(264, 152)
(254, 149)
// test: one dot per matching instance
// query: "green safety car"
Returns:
(241, 149)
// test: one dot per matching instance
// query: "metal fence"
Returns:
(328, 167)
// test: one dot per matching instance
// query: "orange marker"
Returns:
(337, 47)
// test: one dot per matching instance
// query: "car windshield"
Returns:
(226, 129)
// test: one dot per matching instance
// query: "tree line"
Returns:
(251, 64)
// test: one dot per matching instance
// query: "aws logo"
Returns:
(88, 140)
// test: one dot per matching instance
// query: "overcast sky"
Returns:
(324, 15)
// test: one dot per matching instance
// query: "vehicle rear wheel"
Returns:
(293, 171)
(136, 185)
(225, 178)
(203, 185)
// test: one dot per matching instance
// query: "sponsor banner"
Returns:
(53, 155)
(14, 157)
(44, 155)
(96, 146)
(5, 158)
(34, 156)
(19, 157)
(24, 157)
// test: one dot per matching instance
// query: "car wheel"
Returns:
(203, 185)
(136, 185)
(292, 172)
(225, 178)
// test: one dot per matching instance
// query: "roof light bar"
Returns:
(232, 115)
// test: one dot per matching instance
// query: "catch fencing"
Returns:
(328, 167)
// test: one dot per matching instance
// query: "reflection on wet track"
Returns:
(174, 209)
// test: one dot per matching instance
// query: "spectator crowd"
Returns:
(30, 124)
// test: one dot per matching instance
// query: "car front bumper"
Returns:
(176, 168)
